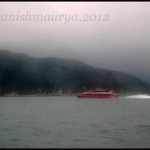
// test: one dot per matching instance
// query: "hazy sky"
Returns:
(110, 35)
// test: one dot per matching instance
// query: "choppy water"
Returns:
(69, 122)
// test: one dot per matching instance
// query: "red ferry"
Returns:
(97, 93)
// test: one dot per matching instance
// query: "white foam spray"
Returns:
(139, 96)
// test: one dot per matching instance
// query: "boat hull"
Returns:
(96, 96)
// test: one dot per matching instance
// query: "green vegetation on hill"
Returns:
(26, 75)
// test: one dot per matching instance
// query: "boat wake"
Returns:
(138, 96)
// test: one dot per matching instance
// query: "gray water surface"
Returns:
(70, 122)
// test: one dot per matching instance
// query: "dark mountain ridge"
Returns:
(25, 75)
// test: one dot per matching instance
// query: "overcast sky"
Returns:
(110, 35)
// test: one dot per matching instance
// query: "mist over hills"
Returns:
(25, 75)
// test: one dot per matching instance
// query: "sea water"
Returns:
(71, 122)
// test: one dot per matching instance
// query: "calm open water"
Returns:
(70, 122)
